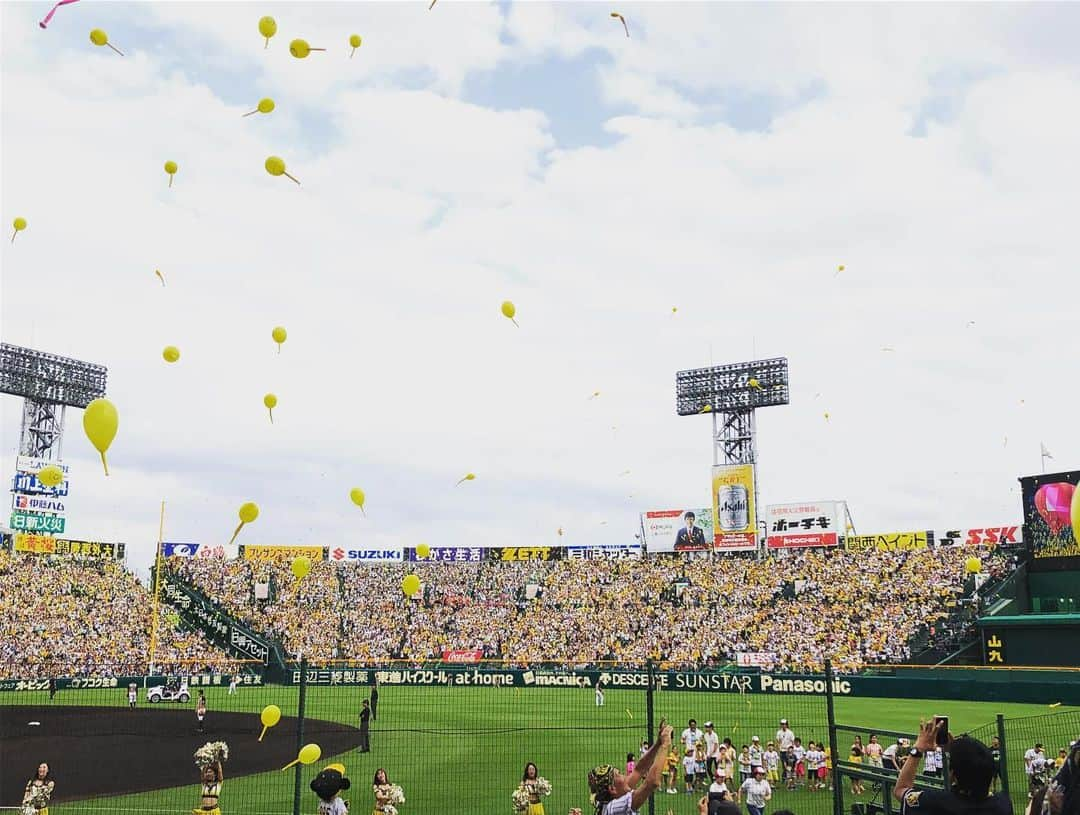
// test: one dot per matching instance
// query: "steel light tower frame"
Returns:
(731, 394)
(48, 385)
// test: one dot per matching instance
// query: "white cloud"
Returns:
(419, 213)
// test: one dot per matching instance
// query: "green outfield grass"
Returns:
(460, 751)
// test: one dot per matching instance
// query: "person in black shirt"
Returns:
(971, 770)
(365, 715)
(375, 699)
(995, 753)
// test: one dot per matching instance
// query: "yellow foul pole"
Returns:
(157, 590)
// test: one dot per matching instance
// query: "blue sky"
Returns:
(724, 159)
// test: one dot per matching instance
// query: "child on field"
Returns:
(700, 776)
(671, 772)
(689, 763)
(800, 763)
(790, 763)
(744, 764)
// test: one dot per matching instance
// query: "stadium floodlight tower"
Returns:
(48, 384)
(731, 394)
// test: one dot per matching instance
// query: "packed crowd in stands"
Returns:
(63, 616)
(802, 607)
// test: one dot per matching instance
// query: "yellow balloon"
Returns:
(171, 353)
(301, 566)
(270, 716)
(268, 28)
(299, 48)
(508, 310)
(50, 475)
(249, 512)
(279, 334)
(972, 565)
(266, 105)
(410, 585)
(270, 401)
(310, 753)
(467, 477)
(275, 165)
(357, 496)
(423, 550)
(20, 225)
(100, 423)
(98, 37)
(355, 40)
(840, 268)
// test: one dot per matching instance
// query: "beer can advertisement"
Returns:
(804, 524)
(734, 514)
(678, 530)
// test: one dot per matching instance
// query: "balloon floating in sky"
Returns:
(45, 23)
(468, 477)
(100, 423)
(410, 585)
(621, 19)
(300, 49)
(171, 168)
(356, 495)
(268, 28)
(171, 353)
(355, 41)
(248, 513)
(508, 311)
(300, 567)
(423, 550)
(826, 415)
(275, 165)
(840, 268)
(270, 400)
(972, 565)
(705, 409)
(270, 716)
(1054, 503)
(20, 225)
(161, 277)
(594, 394)
(674, 309)
(279, 334)
(99, 38)
(265, 105)
(50, 475)
(309, 754)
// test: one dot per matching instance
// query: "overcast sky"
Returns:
(724, 159)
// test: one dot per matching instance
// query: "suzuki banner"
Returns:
(735, 526)
(988, 535)
(888, 541)
(678, 530)
(314, 553)
(804, 524)
(342, 555)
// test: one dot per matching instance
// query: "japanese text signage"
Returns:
(33, 522)
(449, 554)
(994, 648)
(734, 512)
(200, 550)
(602, 552)
(33, 503)
(888, 541)
(28, 483)
(44, 545)
(805, 524)
(515, 553)
(282, 552)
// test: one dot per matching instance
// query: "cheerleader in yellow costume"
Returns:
(534, 786)
(212, 777)
(381, 785)
(38, 792)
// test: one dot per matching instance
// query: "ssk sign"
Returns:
(340, 555)
(34, 503)
(1006, 535)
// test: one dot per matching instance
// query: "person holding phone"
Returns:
(971, 771)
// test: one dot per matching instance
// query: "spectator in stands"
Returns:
(971, 771)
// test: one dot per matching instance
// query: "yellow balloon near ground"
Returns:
(355, 40)
(299, 48)
(98, 37)
(266, 105)
(972, 565)
(249, 511)
(300, 567)
(171, 353)
(423, 550)
(310, 753)
(50, 475)
(410, 585)
(270, 716)
(508, 310)
(100, 423)
(357, 496)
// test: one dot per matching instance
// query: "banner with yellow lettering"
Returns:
(888, 541)
(280, 553)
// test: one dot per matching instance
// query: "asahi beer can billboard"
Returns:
(734, 514)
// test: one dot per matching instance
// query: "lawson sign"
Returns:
(339, 554)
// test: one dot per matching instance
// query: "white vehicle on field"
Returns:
(174, 690)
